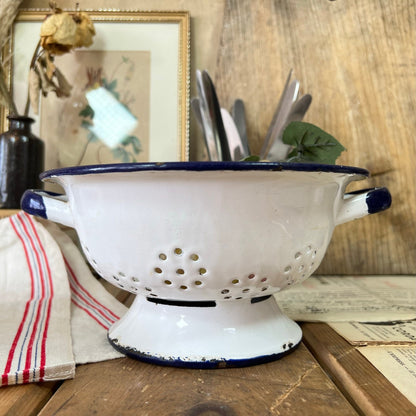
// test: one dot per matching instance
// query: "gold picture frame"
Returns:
(153, 48)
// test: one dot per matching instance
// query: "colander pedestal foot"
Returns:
(229, 334)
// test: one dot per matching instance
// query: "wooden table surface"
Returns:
(324, 376)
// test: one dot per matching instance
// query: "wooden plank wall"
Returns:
(357, 59)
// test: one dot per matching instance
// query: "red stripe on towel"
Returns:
(88, 298)
(26, 370)
(25, 313)
(89, 313)
(49, 307)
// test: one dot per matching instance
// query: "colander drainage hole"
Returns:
(163, 256)
(180, 271)
(158, 270)
(178, 251)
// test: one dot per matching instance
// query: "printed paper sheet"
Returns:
(351, 298)
(397, 364)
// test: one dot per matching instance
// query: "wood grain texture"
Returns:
(26, 400)
(365, 387)
(357, 59)
(128, 387)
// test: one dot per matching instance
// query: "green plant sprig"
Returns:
(308, 143)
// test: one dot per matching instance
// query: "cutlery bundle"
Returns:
(225, 132)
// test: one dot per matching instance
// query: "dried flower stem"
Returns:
(32, 65)
(4, 92)
(8, 12)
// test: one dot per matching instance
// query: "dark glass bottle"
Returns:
(21, 161)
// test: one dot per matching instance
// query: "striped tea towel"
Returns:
(93, 309)
(53, 313)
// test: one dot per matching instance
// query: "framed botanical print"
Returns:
(139, 64)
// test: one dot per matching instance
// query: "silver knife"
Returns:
(279, 150)
(289, 95)
(214, 150)
(215, 113)
(238, 114)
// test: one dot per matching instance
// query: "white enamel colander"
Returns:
(204, 245)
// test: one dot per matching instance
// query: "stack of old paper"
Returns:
(375, 313)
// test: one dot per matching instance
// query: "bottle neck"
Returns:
(22, 124)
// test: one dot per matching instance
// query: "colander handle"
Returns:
(48, 205)
(361, 203)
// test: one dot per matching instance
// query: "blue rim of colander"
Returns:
(209, 364)
(202, 167)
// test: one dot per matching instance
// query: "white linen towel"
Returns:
(53, 312)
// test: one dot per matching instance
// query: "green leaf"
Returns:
(134, 141)
(251, 158)
(85, 124)
(110, 86)
(121, 153)
(117, 152)
(87, 111)
(311, 144)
